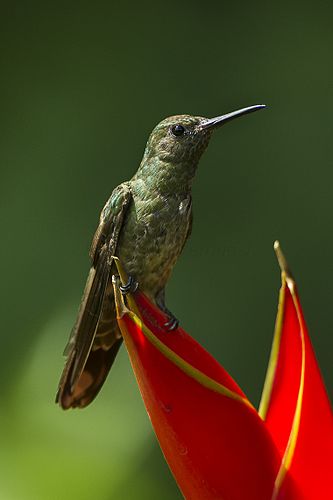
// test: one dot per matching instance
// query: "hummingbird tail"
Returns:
(91, 379)
(79, 387)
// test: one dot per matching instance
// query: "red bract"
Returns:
(216, 444)
(295, 405)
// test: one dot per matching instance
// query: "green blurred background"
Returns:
(82, 85)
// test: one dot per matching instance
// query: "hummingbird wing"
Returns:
(89, 359)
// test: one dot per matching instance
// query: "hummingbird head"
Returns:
(174, 149)
(183, 138)
(178, 139)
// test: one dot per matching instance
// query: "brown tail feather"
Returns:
(91, 380)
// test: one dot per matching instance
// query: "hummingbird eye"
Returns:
(178, 130)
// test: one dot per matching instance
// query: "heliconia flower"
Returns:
(294, 404)
(215, 442)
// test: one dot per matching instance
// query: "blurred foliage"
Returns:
(81, 86)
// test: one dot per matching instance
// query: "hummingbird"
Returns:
(145, 223)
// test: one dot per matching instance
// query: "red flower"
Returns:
(216, 443)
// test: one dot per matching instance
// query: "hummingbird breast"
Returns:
(153, 236)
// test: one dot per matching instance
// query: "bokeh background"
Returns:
(82, 84)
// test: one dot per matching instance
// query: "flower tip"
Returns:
(121, 308)
(121, 270)
(282, 260)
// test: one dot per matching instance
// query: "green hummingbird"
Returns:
(145, 222)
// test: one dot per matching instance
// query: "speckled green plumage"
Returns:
(159, 216)
(145, 223)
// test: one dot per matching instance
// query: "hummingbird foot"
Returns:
(130, 287)
(173, 322)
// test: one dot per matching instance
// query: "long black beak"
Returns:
(220, 120)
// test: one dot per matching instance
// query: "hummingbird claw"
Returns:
(130, 287)
(172, 324)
